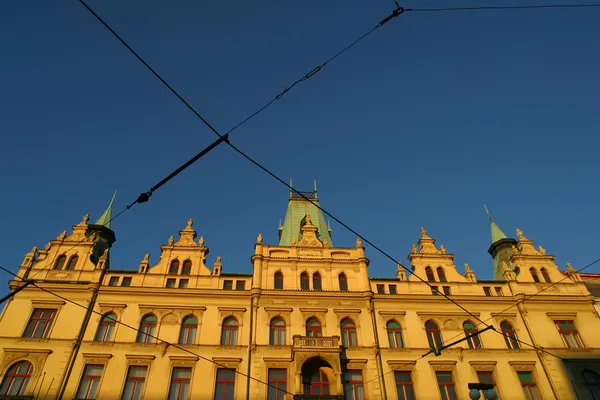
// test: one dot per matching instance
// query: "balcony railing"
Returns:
(316, 341)
(318, 397)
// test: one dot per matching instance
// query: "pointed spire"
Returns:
(315, 190)
(107, 216)
(497, 233)
(291, 190)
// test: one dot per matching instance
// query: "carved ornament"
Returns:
(309, 235)
(36, 356)
(96, 358)
(402, 365)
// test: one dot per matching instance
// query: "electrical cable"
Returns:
(177, 346)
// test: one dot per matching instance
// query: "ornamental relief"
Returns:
(238, 315)
(276, 364)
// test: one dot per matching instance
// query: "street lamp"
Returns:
(488, 391)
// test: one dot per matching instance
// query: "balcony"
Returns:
(316, 342)
(318, 397)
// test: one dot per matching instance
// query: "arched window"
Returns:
(545, 275)
(186, 268)
(317, 281)
(534, 274)
(318, 384)
(72, 263)
(60, 262)
(313, 327)
(189, 326)
(147, 329)
(277, 334)
(343, 281)
(394, 334)
(441, 274)
(591, 380)
(16, 378)
(304, 281)
(434, 335)
(348, 333)
(174, 267)
(510, 336)
(106, 328)
(474, 341)
(229, 332)
(429, 273)
(278, 278)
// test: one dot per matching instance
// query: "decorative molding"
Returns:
(48, 303)
(386, 313)
(236, 312)
(283, 312)
(271, 360)
(356, 363)
(503, 315)
(347, 310)
(138, 359)
(96, 358)
(428, 314)
(183, 360)
(314, 310)
(229, 362)
(444, 365)
(279, 309)
(483, 365)
(399, 365)
(562, 315)
(522, 365)
(106, 307)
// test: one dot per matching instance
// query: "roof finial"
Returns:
(497, 233)
(488, 213)
(291, 190)
(106, 217)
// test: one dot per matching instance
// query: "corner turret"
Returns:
(501, 248)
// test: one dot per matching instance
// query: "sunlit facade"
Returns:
(305, 321)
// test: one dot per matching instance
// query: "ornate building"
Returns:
(307, 321)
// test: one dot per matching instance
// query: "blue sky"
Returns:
(422, 123)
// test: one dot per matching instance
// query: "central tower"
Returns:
(295, 217)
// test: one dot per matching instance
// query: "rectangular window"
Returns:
(228, 285)
(180, 383)
(435, 290)
(240, 285)
(487, 290)
(569, 334)
(278, 384)
(114, 281)
(355, 389)
(40, 323)
(446, 385)
(499, 291)
(380, 289)
(225, 384)
(134, 385)
(528, 385)
(90, 381)
(392, 289)
(183, 283)
(171, 283)
(486, 377)
(404, 385)
(447, 290)
(126, 281)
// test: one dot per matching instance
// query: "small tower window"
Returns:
(429, 273)
(317, 281)
(304, 281)
(343, 281)
(174, 267)
(186, 269)
(545, 275)
(72, 263)
(441, 274)
(534, 274)
(278, 278)
(60, 262)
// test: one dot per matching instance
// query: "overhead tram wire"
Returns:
(177, 346)
(394, 14)
(142, 198)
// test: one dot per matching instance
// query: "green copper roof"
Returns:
(107, 216)
(497, 233)
(298, 208)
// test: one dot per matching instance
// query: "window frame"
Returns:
(108, 325)
(34, 325)
(114, 279)
(12, 374)
(280, 393)
(512, 341)
(434, 335)
(545, 275)
(594, 394)
(429, 274)
(228, 284)
(393, 289)
(90, 383)
(395, 334)
(446, 385)
(447, 290)
(226, 383)
(442, 276)
(487, 290)
(278, 280)
(72, 263)
(317, 328)
(188, 331)
(240, 285)
(126, 281)
(380, 288)
(135, 381)
(569, 333)
(171, 283)
(183, 283)
(174, 264)
(186, 267)
(528, 385)
(404, 385)
(349, 332)
(277, 331)
(180, 381)
(317, 281)
(493, 381)
(474, 341)
(60, 262)
(227, 329)
(343, 282)
(304, 281)
(147, 331)
(357, 392)
(499, 291)
(534, 275)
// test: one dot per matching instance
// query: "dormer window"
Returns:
(174, 267)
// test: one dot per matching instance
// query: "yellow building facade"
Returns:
(307, 322)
